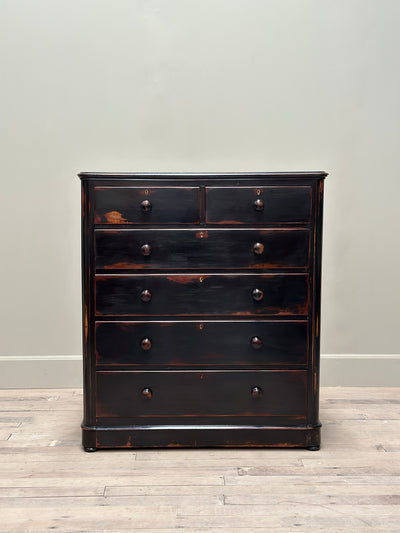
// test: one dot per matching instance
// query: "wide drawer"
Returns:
(264, 205)
(153, 205)
(202, 294)
(193, 249)
(210, 397)
(202, 344)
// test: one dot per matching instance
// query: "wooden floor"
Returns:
(47, 482)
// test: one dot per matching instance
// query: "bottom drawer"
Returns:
(212, 397)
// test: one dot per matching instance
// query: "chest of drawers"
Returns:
(201, 309)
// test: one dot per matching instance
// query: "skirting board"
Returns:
(65, 371)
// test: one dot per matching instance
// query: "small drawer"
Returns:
(264, 205)
(152, 205)
(209, 397)
(208, 344)
(202, 294)
(217, 249)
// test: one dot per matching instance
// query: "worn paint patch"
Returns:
(114, 217)
(182, 279)
(124, 265)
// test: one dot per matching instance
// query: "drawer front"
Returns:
(266, 205)
(202, 344)
(201, 294)
(192, 249)
(153, 205)
(208, 396)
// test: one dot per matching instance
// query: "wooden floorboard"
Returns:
(48, 483)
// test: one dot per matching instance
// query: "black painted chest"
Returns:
(201, 309)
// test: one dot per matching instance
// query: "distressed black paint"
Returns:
(194, 249)
(147, 205)
(211, 395)
(201, 309)
(239, 205)
(202, 344)
(203, 294)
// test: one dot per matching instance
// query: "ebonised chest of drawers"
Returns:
(201, 309)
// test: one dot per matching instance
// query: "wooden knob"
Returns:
(258, 248)
(146, 205)
(256, 343)
(257, 295)
(145, 344)
(258, 204)
(145, 295)
(256, 392)
(147, 393)
(146, 249)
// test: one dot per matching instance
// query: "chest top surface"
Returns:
(198, 175)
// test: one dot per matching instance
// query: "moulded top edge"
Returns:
(188, 175)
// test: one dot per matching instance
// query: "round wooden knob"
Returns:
(145, 344)
(146, 205)
(145, 295)
(147, 393)
(256, 392)
(146, 249)
(258, 204)
(256, 343)
(257, 295)
(258, 248)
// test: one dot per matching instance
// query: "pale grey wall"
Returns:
(125, 85)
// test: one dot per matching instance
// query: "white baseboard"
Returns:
(360, 370)
(65, 371)
(41, 372)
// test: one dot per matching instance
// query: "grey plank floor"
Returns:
(48, 483)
